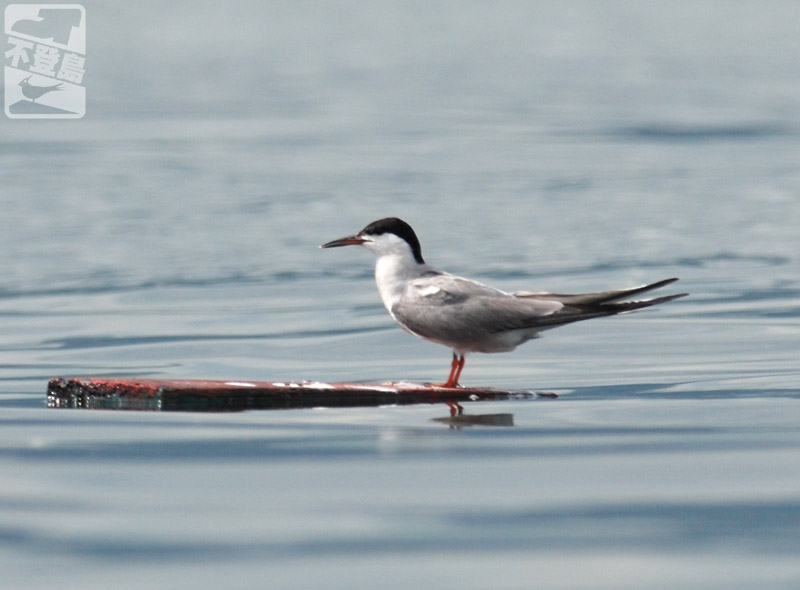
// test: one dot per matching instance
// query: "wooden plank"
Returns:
(196, 395)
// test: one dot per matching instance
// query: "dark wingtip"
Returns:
(664, 283)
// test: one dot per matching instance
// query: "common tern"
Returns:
(468, 316)
(34, 92)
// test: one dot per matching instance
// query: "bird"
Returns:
(466, 315)
(34, 92)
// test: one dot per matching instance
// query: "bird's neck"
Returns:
(392, 274)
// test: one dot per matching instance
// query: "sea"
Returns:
(173, 232)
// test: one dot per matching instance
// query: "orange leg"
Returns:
(452, 381)
(456, 409)
(455, 371)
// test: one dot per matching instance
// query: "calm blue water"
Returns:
(173, 232)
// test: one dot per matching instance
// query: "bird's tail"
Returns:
(614, 307)
(585, 306)
(605, 296)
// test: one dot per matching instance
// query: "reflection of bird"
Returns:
(466, 315)
(34, 92)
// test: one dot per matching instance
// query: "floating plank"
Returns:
(195, 395)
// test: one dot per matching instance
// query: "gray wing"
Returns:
(599, 298)
(450, 309)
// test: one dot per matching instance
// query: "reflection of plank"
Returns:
(195, 395)
(462, 420)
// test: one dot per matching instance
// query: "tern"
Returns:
(34, 92)
(468, 316)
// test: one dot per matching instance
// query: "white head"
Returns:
(385, 237)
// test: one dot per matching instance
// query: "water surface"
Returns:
(173, 233)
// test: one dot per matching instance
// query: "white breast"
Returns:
(392, 275)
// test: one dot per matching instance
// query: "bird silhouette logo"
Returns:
(45, 61)
(34, 92)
